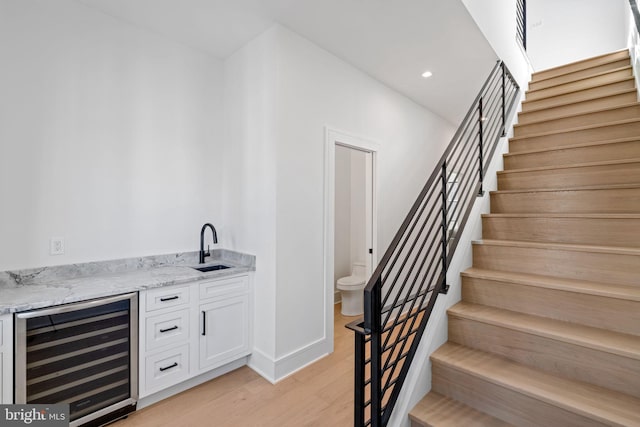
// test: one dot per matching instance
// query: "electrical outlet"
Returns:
(56, 246)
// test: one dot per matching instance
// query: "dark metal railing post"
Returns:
(445, 226)
(524, 24)
(504, 97)
(359, 404)
(480, 147)
(376, 356)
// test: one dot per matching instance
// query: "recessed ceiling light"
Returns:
(427, 74)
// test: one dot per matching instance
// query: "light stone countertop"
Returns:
(22, 290)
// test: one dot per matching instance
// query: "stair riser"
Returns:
(589, 63)
(599, 311)
(610, 77)
(560, 139)
(583, 231)
(579, 96)
(620, 200)
(579, 107)
(435, 410)
(551, 355)
(600, 117)
(592, 153)
(501, 402)
(621, 269)
(626, 173)
(577, 75)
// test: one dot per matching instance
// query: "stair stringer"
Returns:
(418, 381)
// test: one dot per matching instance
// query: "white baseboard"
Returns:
(299, 359)
(337, 297)
(274, 370)
(263, 365)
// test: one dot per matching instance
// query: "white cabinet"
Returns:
(164, 337)
(6, 359)
(225, 331)
(190, 329)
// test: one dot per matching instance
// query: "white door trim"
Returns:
(335, 137)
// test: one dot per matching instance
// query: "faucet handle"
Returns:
(208, 251)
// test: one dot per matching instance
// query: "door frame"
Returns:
(335, 137)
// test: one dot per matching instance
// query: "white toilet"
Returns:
(351, 289)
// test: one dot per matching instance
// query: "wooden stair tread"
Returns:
(602, 73)
(436, 410)
(585, 336)
(574, 129)
(557, 283)
(571, 166)
(564, 215)
(564, 104)
(561, 246)
(589, 187)
(568, 147)
(580, 398)
(614, 56)
(618, 80)
(586, 113)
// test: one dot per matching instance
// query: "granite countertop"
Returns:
(22, 290)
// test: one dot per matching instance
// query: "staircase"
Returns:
(548, 329)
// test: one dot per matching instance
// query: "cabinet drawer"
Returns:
(168, 328)
(167, 297)
(215, 288)
(167, 368)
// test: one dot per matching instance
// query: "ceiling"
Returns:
(392, 41)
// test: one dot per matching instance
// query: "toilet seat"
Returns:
(351, 282)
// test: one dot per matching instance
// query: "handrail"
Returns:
(635, 13)
(402, 291)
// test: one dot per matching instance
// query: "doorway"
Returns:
(350, 211)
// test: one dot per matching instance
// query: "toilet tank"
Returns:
(359, 269)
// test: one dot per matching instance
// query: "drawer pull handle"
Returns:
(169, 367)
(169, 298)
(173, 328)
(204, 323)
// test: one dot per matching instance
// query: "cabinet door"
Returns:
(224, 331)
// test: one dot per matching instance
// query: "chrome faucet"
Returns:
(204, 254)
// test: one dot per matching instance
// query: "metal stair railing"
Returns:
(401, 293)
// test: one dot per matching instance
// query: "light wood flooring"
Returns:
(319, 395)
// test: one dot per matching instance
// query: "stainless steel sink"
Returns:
(212, 267)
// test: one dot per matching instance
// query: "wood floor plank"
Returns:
(318, 395)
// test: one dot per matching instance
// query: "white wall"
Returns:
(316, 89)
(342, 233)
(248, 164)
(358, 206)
(281, 91)
(108, 137)
(565, 31)
(497, 21)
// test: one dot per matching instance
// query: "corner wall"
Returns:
(281, 91)
(497, 21)
(315, 90)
